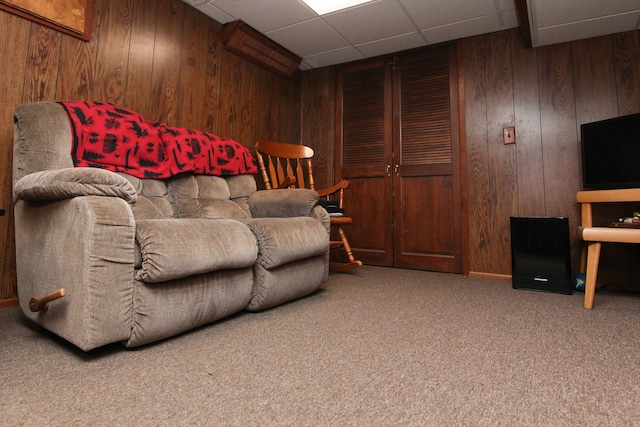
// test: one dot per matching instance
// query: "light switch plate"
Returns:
(509, 135)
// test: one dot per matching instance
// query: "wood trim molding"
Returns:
(489, 275)
(462, 142)
(10, 302)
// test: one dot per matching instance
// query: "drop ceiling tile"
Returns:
(458, 30)
(308, 37)
(586, 29)
(391, 44)
(435, 13)
(213, 12)
(506, 4)
(509, 19)
(264, 15)
(371, 21)
(333, 57)
(304, 66)
(554, 12)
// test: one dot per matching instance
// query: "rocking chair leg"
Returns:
(345, 243)
(353, 263)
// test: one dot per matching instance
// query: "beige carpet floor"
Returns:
(374, 347)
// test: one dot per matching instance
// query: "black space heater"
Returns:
(541, 254)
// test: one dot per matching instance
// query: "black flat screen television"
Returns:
(611, 153)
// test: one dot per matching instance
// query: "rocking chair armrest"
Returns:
(282, 203)
(342, 185)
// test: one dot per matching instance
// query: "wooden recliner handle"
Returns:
(41, 302)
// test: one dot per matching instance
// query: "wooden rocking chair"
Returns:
(289, 166)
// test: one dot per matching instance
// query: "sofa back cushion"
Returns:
(240, 188)
(42, 139)
(204, 196)
(153, 201)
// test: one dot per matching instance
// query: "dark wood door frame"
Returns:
(462, 143)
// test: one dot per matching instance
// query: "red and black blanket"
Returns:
(113, 138)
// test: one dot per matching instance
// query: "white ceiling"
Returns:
(556, 21)
(386, 26)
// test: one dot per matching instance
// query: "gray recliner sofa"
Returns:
(145, 259)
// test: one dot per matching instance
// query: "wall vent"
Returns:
(249, 43)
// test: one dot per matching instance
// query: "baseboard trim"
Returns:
(490, 275)
(9, 302)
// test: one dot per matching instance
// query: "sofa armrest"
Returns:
(282, 203)
(85, 245)
(66, 183)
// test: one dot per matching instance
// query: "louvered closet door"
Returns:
(363, 156)
(427, 223)
(398, 146)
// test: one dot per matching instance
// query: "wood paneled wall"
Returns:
(318, 122)
(546, 93)
(161, 58)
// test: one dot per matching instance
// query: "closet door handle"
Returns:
(388, 170)
(396, 169)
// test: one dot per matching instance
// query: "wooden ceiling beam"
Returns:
(523, 21)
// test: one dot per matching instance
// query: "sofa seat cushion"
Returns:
(284, 240)
(176, 248)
